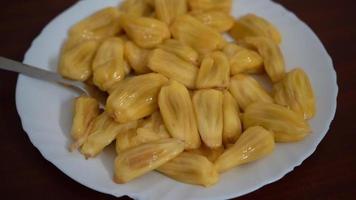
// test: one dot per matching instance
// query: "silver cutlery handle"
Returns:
(11, 65)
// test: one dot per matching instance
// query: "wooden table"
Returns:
(330, 173)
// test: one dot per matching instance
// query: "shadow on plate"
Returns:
(65, 119)
(107, 157)
(53, 63)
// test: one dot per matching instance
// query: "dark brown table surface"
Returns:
(330, 173)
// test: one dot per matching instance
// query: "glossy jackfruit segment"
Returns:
(136, 7)
(150, 2)
(194, 33)
(127, 68)
(243, 60)
(181, 50)
(232, 123)
(208, 107)
(252, 25)
(74, 40)
(102, 24)
(173, 67)
(206, 5)
(135, 98)
(272, 56)
(137, 161)
(178, 115)
(144, 31)
(286, 125)
(210, 154)
(86, 109)
(247, 90)
(108, 65)
(148, 130)
(255, 143)
(218, 20)
(137, 57)
(102, 132)
(191, 168)
(168, 10)
(214, 71)
(296, 92)
(76, 63)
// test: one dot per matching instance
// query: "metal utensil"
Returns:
(14, 66)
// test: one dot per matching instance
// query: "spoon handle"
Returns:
(11, 65)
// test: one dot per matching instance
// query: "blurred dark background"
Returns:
(330, 173)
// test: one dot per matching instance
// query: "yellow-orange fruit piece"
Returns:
(144, 31)
(137, 161)
(108, 64)
(254, 143)
(135, 98)
(191, 168)
(177, 112)
(104, 23)
(173, 67)
(208, 107)
(214, 71)
(194, 33)
(86, 109)
(296, 92)
(247, 90)
(251, 25)
(286, 125)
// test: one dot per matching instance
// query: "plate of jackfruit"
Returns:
(204, 99)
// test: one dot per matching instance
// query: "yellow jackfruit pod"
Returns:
(86, 109)
(204, 5)
(76, 63)
(194, 33)
(210, 154)
(137, 161)
(102, 132)
(132, 138)
(272, 56)
(296, 92)
(178, 115)
(286, 125)
(73, 41)
(154, 123)
(218, 20)
(152, 133)
(208, 107)
(173, 67)
(191, 168)
(136, 8)
(232, 123)
(148, 130)
(243, 60)
(119, 84)
(135, 98)
(247, 90)
(108, 65)
(168, 10)
(181, 50)
(150, 2)
(102, 24)
(137, 57)
(125, 140)
(214, 71)
(145, 32)
(251, 25)
(127, 68)
(254, 143)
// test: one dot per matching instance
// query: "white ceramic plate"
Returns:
(46, 111)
